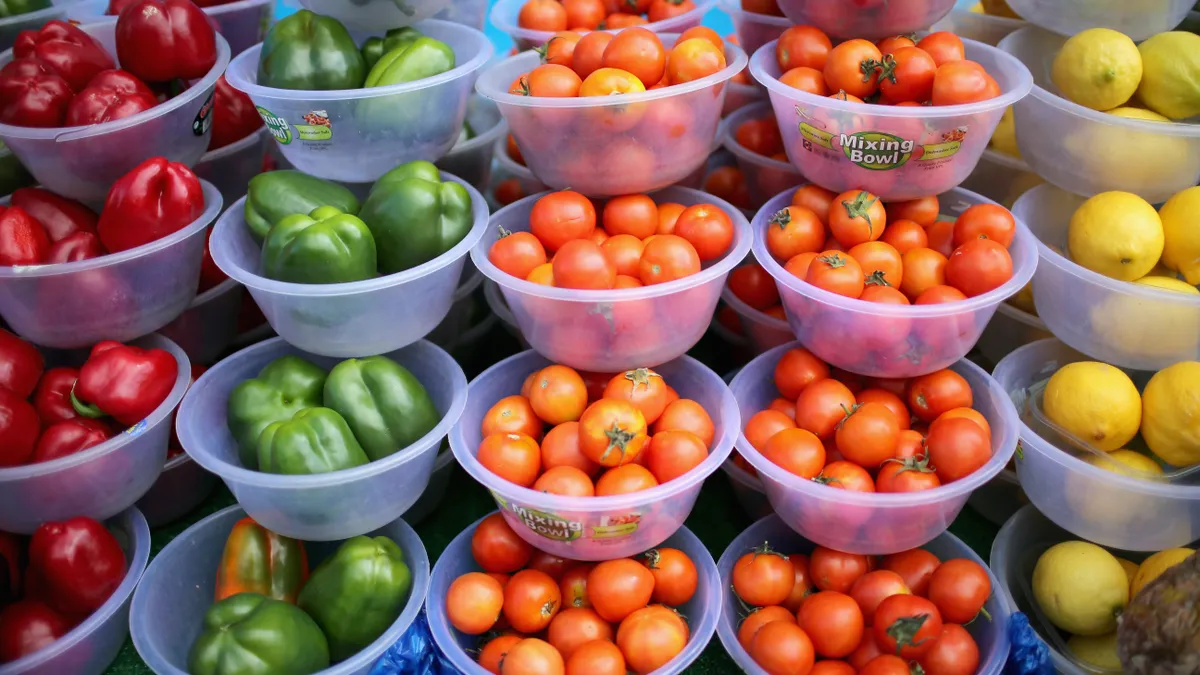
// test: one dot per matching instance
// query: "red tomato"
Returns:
(797, 451)
(531, 599)
(589, 53)
(723, 182)
(517, 253)
(668, 257)
(943, 46)
(573, 627)
(566, 481)
(760, 136)
(650, 637)
(833, 622)
(560, 49)
(855, 217)
(797, 369)
(959, 82)
(805, 79)
(668, 215)
(661, 10)
(907, 625)
(551, 81)
(598, 657)
(763, 425)
(573, 585)
(846, 476)
(759, 617)
(635, 215)
(672, 454)
(473, 603)
(704, 33)
(624, 251)
(560, 447)
(532, 655)
(923, 211)
(494, 651)
(871, 589)
(936, 295)
(675, 576)
(958, 447)
(686, 415)
(890, 400)
(923, 268)
(814, 198)
(803, 585)
(881, 263)
(754, 286)
(612, 433)
(915, 566)
(782, 647)
(557, 394)
(985, 221)
(847, 65)
(544, 15)
(979, 266)
(707, 228)
(931, 395)
(560, 217)
(802, 46)
(763, 577)
(512, 415)
(625, 479)
(836, 272)
(889, 45)
(905, 235)
(638, 51)
(822, 406)
(616, 588)
(959, 588)
(907, 75)
(868, 435)
(794, 230)
(886, 664)
(514, 457)
(836, 571)
(911, 475)
(954, 653)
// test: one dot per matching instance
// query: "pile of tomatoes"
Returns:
(858, 614)
(626, 432)
(901, 253)
(870, 435)
(603, 618)
(636, 242)
(589, 15)
(895, 71)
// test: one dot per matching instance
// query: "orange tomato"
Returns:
(703, 33)
(836, 272)
(517, 253)
(849, 63)
(806, 79)
(924, 268)
(625, 252)
(643, 388)
(560, 217)
(565, 481)
(936, 295)
(625, 479)
(693, 59)
(905, 235)
(584, 14)
(959, 82)
(637, 51)
(542, 275)
(686, 415)
(552, 81)
(581, 264)
(514, 457)
(798, 265)
(612, 433)
(558, 395)
(923, 211)
(546, 15)
(881, 263)
(672, 454)
(635, 215)
(667, 257)
(661, 10)
(797, 451)
(611, 82)
(855, 217)
(560, 49)
(668, 215)
(822, 406)
(512, 415)
(561, 447)
(588, 53)
(764, 424)
(803, 46)
(943, 46)
(797, 369)
(707, 228)
(814, 198)
(890, 44)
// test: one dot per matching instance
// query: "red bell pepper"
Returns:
(256, 560)
(150, 202)
(27, 626)
(52, 399)
(23, 240)
(70, 52)
(11, 564)
(123, 382)
(21, 364)
(61, 216)
(78, 564)
(234, 116)
(33, 99)
(111, 95)
(19, 427)
(211, 276)
(67, 438)
(79, 246)
(160, 40)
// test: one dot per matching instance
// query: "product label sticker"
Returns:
(137, 428)
(203, 121)
(277, 126)
(548, 525)
(876, 150)
(317, 127)
(612, 527)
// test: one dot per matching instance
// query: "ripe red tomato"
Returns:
(833, 622)
(958, 447)
(759, 617)
(668, 257)
(911, 475)
(598, 657)
(661, 10)
(881, 263)
(931, 395)
(907, 75)
(868, 435)
(561, 447)
(936, 295)
(822, 406)
(550, 81)
(886, 664)
(686, 415)
(959, 588)
(531, 599)
(517, 253)
(582, 264)
(512, 414)
(954, 653)
(764, 424)
(473, 603)
(707, 228)
(625, 479)
(494, 651)
(638, 51)
(905, 235)
(672, 454)
(693, 59)
(560, 217)
(855, 217)
(573, 627)
(544, 15)
(985, 221)
(704, 33)
(754, 286)
(943, 46)
(960, 82)
(836, 272)
(915, 566)
(782, 647)
(760, 136)
(797, 369)
(573, 585)
(566, 481)
(851, 67)
(532, 656)
(979, 266)
(907, 625)
(514, 457)
(836, 571)
(588, 53)
(889, 45)
(763, 577)
(624, 251)
(797, 451)
(923, 268)
(496, 548)
(650, 637)
(675, 576)
(794, 230)
(668, 215)
(871, 589)
(616, 588)
(805, 79)
(560, 49)
(802, 46)
(642, 387)
(635, 215)
(923, 211)
(971, 414)
(803, 587)
(612, 433)
(724, 182)
(832, 667)
(814, 198)
(846, 476)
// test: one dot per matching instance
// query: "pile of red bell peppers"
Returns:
(49, 414)
(54, 580)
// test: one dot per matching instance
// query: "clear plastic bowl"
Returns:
(230, 168)
(763, 331)
(90, 647)
(748, 490)
(1111, 509)
(530, 185)
(1123, 323)
(754, 30)
(471, 13)
(12, 26)
(737, 341)
(83, 162)
(643, 141)
(998, 499)
(596, 528)
(495, 301)
(871, 19)
(327, 506)
(701, 611)
(738, 95)
(209, 326)
(765, 177)
(1139, 20)
(458, 319)
(182, 486)
(103, 480)
(1087, 152)
(435, 491)
(614, 330)
(345, 319)
(871, 523)
(984, 28)
(1001, 178)
(461, 348)
(891, 341)
(504, 18)
(1009, 329)
(369, 131)
(243, 24)
(377, 14)
(937, 147)
(169, 605)
(472, 160)
(990, 633)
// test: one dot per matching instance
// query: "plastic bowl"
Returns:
(596, 528)
(377, 14)
(458, 319)
(504, 18)
(230, 168)
(1009, 329)
(209, 326)
(639, 142)
(83, 162)
(435, 491)
(1139, 21)
(748, 490)
(495, 301)
(328, 506)
(990, 632)
(472, 160)
(738, 95)
(921, 150)
(362, 133)
(614, 330)
(11, 27)
(1126, 324)
(701, 611)
(346, 319)
(90, 647)
(1087, 152)
(471, 13)
(182, 486)
(753, 29)
(998, 499)
(984, 28)
(243, 24)
(1110, 509)
(529, 183)
(871, 523)
(763, 331)
(176, 591)
(765, 177)
(871, 19)
(1001, 178)
(886, 340)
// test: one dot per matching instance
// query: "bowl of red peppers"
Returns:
(242, 23)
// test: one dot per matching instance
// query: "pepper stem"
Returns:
(87, 410)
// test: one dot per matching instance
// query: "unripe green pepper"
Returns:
(324, 247)
(415, 216)
(307, 51)
(315, 440)
(384, 404)
(17, 7)
(250, 634)
(282, 388)
(275, 195)
(417, 60)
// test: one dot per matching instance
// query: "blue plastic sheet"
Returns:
(414, 654)
(1028, 655)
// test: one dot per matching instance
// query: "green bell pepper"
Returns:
(16, 7)
(13, 174)
(385, 406)
(357, 593)
(315, 440)
(275, 195)
(324, 247)
(250, 634)
(415, 217)
(308, 51)
(375, 47)
(417, 60)
(283, 388)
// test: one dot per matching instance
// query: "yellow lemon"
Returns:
(1170, 82)
(1004, 138)
(1130, 568)
(1117, 234)
(1080, 587)
(1151, 327)
(1169, 284)
(1099, 651)
(1098, 68)
(1130, 156)
(1171, 414)
(1181, 234)
(1095, 402)
(1155, 565)
(1125, 462)
(999, 8)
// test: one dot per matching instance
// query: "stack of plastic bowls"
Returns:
(471, 160)
(243, 23)
(230, 168)
(1139, 20)
(870, 19)
(753, 29)
(965, 22)
(505, 12)
(765, 176)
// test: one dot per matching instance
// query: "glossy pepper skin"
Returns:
(234, 116)
(78, 564)
(16, 7)
(324, 247)
(250, 634)
(111, 95)
(31, 95)
(375, 47)
(155, 199)
(124, 382)
(21, 365)
(67, 438)
(282, 388)
(315, 440)
(358, 592)
(62, 217)
(417, 60)
(308, 51)
(68, 51)
(27, 626)
(23, 240)
(275, 195)
(415, 217)
(256, 560)
(78, 246)
(19, 427)
(52, 398)
(164, 40)
(384, 404)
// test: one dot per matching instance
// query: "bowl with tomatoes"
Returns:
(752, 295)
(642, 296)
(845, 463)
(756, 22)
(918, 135)
(651, 612)
(866, 18)
(741, 94)
(537, 435)
(1075, 16)
(531, 23)
(622, 113)
(753, 136)
(896, 297)
(989, 29)
(512, 163)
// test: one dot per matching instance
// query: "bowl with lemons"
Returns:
(1110, 455)
(1139, 20)
(1073, 590)
(987, 21)
(1106, 113)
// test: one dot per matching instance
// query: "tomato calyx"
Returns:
(549, 607)
(917, 463)
(618, 439)
(545, 49)
(904, 630)
(849, 411)
(766, 549)
(503, 232)
(782, 218)
(834, 260)
(522, 88)
(860, 208)
(887, 68)
(641, 376)
(877, 278)
(653, 557)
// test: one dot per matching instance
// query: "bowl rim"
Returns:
(482, 139)
(509, 165)
(1020, 315)
(743, 309)
(734, 9)
(997, 21)
(753, 111)
(498, 16)
(235, 147)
